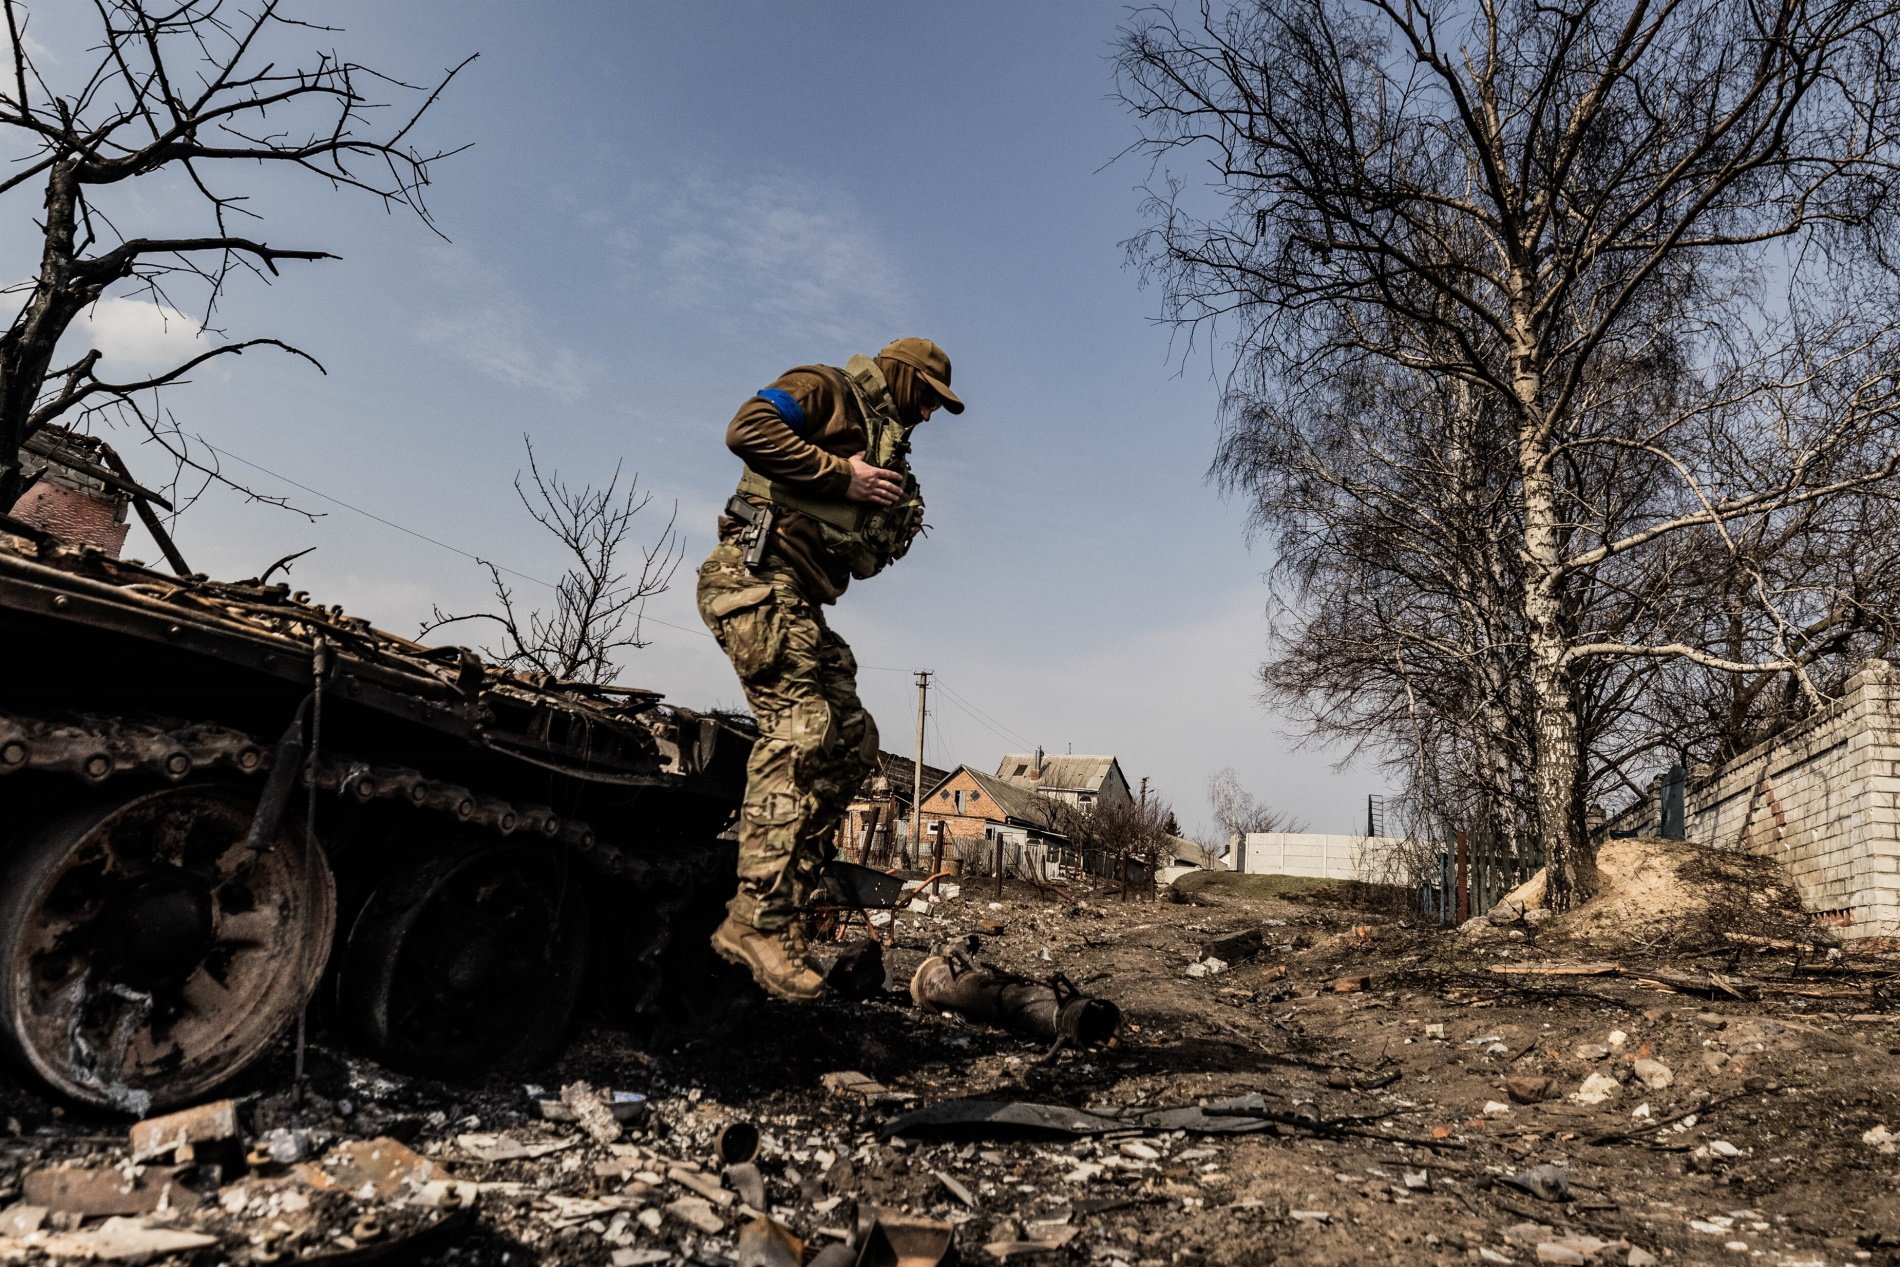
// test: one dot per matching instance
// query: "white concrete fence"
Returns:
(1316, 855)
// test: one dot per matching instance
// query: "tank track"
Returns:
(95, 750)
(662, 889)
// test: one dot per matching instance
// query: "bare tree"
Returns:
(1137, 829)
(1650, 240)
(1237, 813)
(198, 90)
(1834, 571)
(597, 602)
(1395, 634)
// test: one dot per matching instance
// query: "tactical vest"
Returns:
(865, 537)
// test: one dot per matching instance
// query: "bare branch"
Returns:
(195, 86)
(597, 602)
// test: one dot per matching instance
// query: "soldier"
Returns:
(827, 495)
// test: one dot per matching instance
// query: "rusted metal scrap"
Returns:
(170, 867)
(1052, 1011)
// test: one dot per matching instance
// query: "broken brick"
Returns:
(95, 1192)
(370, 1169)
(696, 1213)
(1529, 1089)
(850, 1082)
(591, 1111)
(213, 1123)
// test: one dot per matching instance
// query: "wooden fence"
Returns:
(1474, 875)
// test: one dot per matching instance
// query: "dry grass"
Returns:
(1353, 894)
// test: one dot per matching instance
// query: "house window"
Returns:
(944, 795)
(1022, 768)
(976, 796)
(959, 802)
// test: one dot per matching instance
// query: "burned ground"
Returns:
(1729, 1127)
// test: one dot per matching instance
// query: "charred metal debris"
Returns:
(216, 796)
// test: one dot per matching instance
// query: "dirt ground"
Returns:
(1724, 1127)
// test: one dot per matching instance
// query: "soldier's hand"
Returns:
(873, 484)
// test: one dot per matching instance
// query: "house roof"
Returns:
(1182, 847)
(1015, 804)
(898, 774)
(1069, 772)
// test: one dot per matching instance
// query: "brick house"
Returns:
(973, 810)
(67, 493)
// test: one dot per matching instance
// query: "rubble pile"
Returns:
(1333, 1086)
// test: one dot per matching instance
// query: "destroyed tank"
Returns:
(221, 804)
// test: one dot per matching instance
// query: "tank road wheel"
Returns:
(467, 963)
(146, 955)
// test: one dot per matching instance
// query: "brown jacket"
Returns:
(814, 460)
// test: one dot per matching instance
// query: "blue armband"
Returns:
(788, 409)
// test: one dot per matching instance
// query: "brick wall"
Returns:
(963, 827)
(76, 516)
(1823, 799)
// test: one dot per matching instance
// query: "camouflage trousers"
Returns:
(816, 742)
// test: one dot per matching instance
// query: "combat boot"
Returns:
(777, 960)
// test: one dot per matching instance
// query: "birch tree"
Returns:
(1647, 238)
(1236, 811)
(1396, 636)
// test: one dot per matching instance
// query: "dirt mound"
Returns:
(1668, 894)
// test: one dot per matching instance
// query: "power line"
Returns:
(1004, 731)
(368, 514)
(943, 749)
(435, 541)
(476, 558)
(978, 720)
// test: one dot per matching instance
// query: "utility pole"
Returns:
(917, 771)
(1144, 791)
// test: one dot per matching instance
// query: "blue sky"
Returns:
(664, 207)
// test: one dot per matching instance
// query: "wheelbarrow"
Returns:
(851, 892)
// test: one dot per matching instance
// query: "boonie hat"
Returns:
(931, 363)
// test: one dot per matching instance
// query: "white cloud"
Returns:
(137, 338)
(497, 334)
(776, 250)
(37, 52)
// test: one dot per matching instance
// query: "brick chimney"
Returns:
(75, 507)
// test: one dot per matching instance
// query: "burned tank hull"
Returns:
(219, 801)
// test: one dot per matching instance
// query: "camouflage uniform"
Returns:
(799, 438)
(816, 742)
